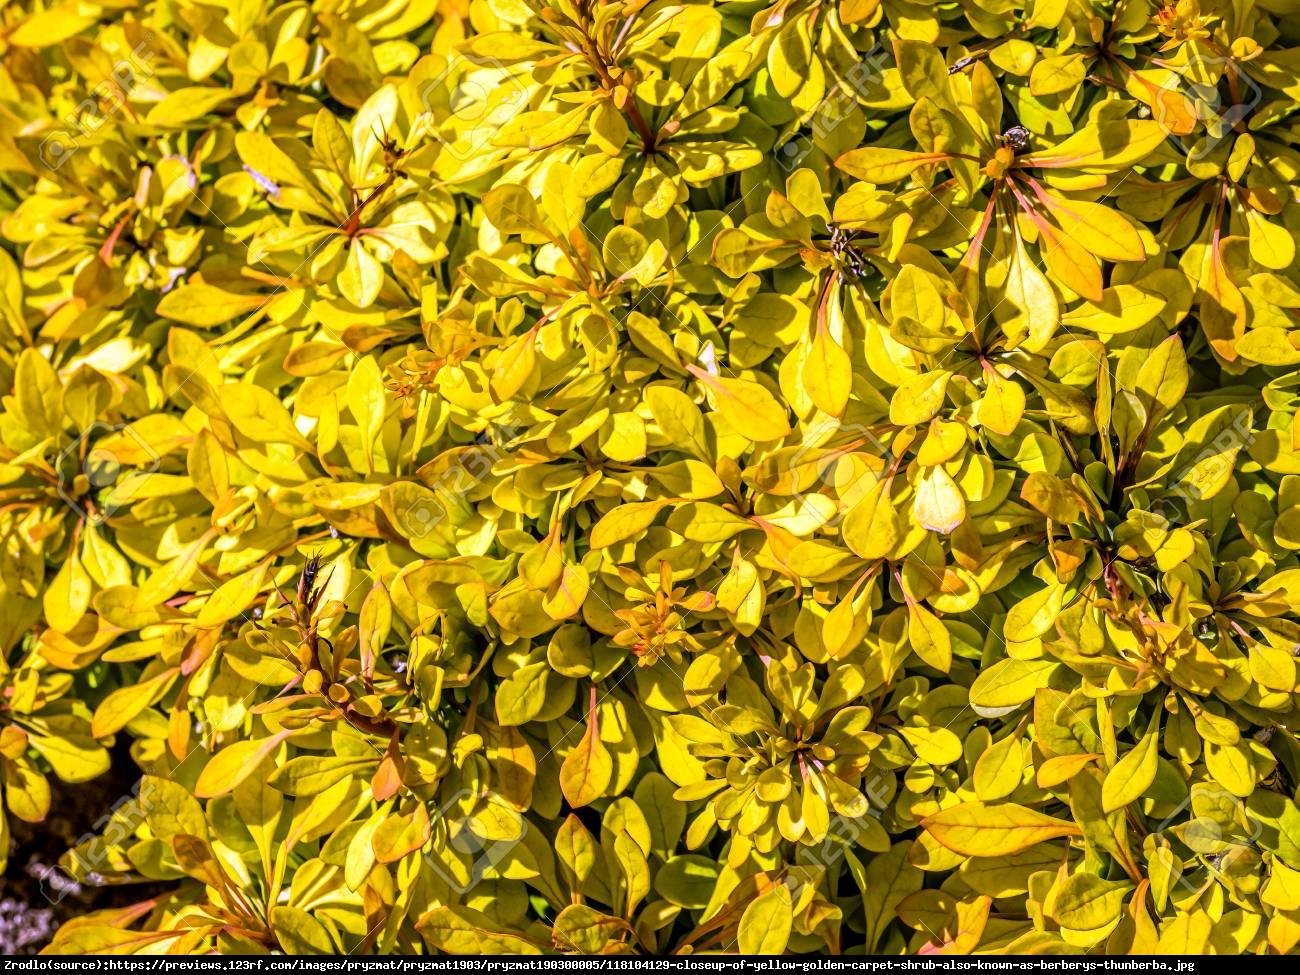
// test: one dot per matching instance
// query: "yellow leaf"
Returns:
(1035, 615)
(1222, 306)
(749, 409)
(259, 415)
(943, 441)
(974, 829)
(878, 164)
(998, 772)
(929, 638)
(232, 597)
(1031, 313)
(121, 706)
(766, 924)
(935, 746)
(871, 528)
(856, 11)
(827, 374)
(1085, 902)
(462, 931)
(53, 26)
(1003, 403)
(1061, 768)
(1134, 772)
(920, 399)
(587, 770)
(625, 522)
(1069, 262)
(1057, 75)
(1231, 767)
(187, 104)
(234, 763)
(362, 276)
(67, 597)
(206, 306)
(514, 365)
(1052, 497)
(1163, 376)
(1103, 147)
(1101, 230)
(167, 579)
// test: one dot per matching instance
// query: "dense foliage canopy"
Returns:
(623, 475)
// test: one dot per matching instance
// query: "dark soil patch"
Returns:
(35, 896)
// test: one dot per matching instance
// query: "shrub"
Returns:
(619, 476)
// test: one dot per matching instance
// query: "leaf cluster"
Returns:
(611, 476)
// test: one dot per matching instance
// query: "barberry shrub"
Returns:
(620, 476)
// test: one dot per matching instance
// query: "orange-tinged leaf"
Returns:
(1098, 229)
(588, 769)
(1222, 306)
